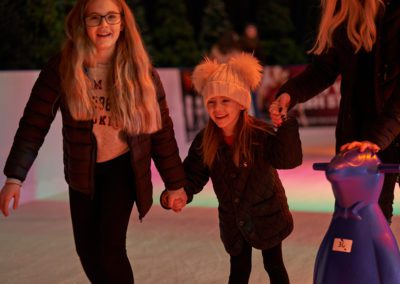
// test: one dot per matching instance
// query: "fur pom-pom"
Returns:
(202, 72)
(248, 67)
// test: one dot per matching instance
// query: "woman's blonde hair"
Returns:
(243, 141)
(359, 16)
(132, 94)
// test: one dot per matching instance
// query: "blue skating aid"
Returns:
(359, 247)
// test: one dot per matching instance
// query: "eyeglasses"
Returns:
(94, 20)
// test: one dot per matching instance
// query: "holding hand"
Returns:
(173, 199)
(363, 145)
(279, 108)
(8, 192)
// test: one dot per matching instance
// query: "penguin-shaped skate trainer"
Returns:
(359, 247)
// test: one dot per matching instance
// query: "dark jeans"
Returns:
(273, 264)
(100, 224)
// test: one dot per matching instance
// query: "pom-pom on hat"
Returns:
(234, 79)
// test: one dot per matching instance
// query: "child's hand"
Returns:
(177, 199)
(278, 109)
(176, 204)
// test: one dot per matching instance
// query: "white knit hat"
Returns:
(234, 79)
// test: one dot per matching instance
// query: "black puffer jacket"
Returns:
(252, 201)
(80, 145)
(382, 124)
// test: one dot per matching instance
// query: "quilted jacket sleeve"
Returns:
(283, 150)
(197, 173)
(38, 115)
(164, 149)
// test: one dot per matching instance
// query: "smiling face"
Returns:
(103, 36)
(225, 113)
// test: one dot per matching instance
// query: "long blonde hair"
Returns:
(359, 16)
(242, 146)
(132, 96)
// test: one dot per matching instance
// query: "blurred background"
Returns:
(177, 32)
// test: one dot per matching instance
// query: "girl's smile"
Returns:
(104, 35)
(107, 34)
(224, 112)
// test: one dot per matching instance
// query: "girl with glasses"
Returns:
(115, 119)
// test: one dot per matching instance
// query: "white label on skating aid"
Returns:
(342, 245)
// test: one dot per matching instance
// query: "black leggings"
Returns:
(100, 224)
(273, 264)
(387, 196)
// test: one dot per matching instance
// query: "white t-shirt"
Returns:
(111, 140)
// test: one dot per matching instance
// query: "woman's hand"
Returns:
(363, 145)
(279, 108)
(8, 192)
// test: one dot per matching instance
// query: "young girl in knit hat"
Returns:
(241, 154)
